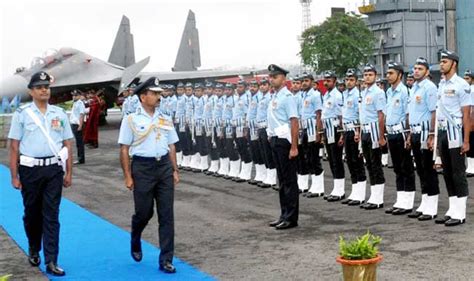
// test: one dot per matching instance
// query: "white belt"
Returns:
(32, 162)
(394, 129)
(350, 126)
(415, 129)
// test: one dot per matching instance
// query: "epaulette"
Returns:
(21, 108)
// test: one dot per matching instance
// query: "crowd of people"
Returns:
(223, 132)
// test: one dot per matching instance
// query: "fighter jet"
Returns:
(73, 69)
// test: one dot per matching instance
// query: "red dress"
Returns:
(91, 130)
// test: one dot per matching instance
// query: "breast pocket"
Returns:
(30, 127)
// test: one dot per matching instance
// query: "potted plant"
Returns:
(359, 257)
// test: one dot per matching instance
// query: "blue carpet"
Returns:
(91, 248)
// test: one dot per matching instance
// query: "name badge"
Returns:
(396, 103)
(368, 100)
(418, 99)
(349, 104)
(449, 92)
(274, 104)
(56, 124)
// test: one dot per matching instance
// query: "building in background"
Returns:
(464, 33)
(405, 30)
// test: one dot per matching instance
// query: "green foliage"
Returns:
(5, 277)
(361, 248)
(341, 42)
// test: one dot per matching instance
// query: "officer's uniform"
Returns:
(200, 158)
(179, 124)
(256, 153)
(239, 118)
(149, 138)
(373, 102)
(421, 106)
(229, 133)
(78, 108)
(281, 109)
(216, 139)
(396, 126)
(355, 162)
(309, 162)
(40, 172)
(331, 116)
(453, 95)
(264, 144)
(188, 140)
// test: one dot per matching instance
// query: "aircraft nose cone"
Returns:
(13, 85)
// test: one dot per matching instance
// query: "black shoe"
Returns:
(313, 195)
(371, 206)
(208, 173)
(333, 198)
(362, 206)
(54, 269)
(355, 203)
(346, 201)
(426, 217)
(168, 267)
(254, 182)
(264, 185)
(276, 187)
(196, 170)
(227, 177)
(217, 175)
(469, 175)
(34, 258)
(286, 225)
(136, 251)
(415, 214)
(275, 223)
(239, 180)
(325, 197)
(442, 220)
(454, 222)
(390, 210)
(398, 212)
(186, 168)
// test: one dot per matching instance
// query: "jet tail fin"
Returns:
(131, 72)
(189, 56)
(123, 51)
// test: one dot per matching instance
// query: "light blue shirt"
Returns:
(350, 109)
(33, 142)
(241, 106)
(396, 108)
(133, 103)
(164, 104)
(422, 101)
(171, 106)
(209, 106)
(218, 106)
(263, 107)
(157, 142)
(199, 107)
(282, 107)
(180, 106)
(78, 108)
(310, 103)
(228, 107)
(332, 104)
(253, 106)
(189, 107)
(453, 94)
(373, 101)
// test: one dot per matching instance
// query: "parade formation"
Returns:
(269, 131)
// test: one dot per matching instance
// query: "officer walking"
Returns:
(77, 124)
(149, 137)
(332, 120)
(283, 129)
(453, 115)
(40, 141)
(264, 144)
(396, 126)
(351, 122)
(422, 117)
(372, 137)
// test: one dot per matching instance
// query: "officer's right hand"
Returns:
(129, 183)
(356, 137)
(16, 183)
(382, 141)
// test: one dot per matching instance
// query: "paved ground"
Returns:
(221, 228)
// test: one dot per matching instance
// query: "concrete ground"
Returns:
(221, 227)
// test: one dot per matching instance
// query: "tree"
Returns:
(342, 41)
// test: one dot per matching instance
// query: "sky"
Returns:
(232, 33)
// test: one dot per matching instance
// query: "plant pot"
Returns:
(359, 270)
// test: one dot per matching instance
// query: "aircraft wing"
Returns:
(194, 75)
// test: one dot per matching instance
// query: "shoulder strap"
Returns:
(51, 143)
